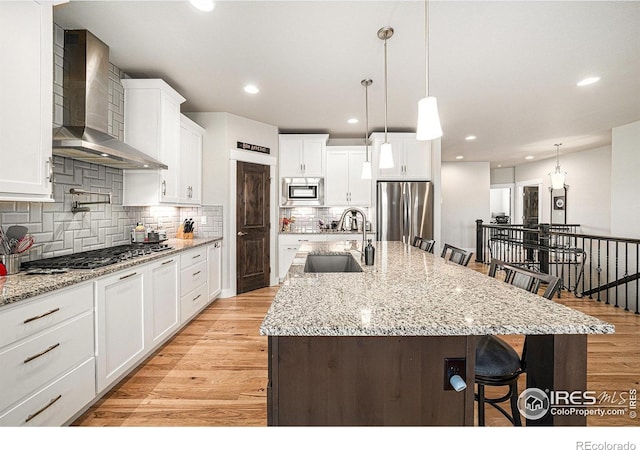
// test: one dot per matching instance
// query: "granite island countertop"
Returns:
(409, 292)
(21, 286)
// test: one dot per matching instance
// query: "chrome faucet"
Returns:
(355, 211)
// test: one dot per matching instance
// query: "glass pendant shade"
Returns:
(386, 156)
(428, 120)
(557, 178)
(366, 170)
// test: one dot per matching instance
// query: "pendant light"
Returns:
(557, 177)
(386, 154)
(366, 166)
(428, 118)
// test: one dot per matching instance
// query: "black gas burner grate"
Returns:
(94, 259)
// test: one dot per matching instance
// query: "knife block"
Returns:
(180, 234)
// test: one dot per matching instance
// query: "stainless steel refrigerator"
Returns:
(404, 209)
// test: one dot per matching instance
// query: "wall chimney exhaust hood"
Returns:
(83, 135)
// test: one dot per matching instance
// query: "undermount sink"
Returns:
(331, 263)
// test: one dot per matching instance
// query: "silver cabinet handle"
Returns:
(127, 276)
(31, 319)
(196, 256)
(196, 273)
(217, 245)
(164, 187)
(196, 297)
(242, 233)
(167, 262)
(41, 410)
(50, 164)
(44, 352)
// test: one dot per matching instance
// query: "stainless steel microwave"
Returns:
(302, 192)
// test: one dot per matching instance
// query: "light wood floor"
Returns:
(214, 372)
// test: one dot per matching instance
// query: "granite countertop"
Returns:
(409, 292)
(21, 286)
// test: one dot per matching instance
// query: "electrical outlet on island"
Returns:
(203, 220)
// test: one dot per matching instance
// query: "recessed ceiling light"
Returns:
(528, 157)
(203, 5)
(499, 165)
(251, 89)
(145, 165)
(352, 120)
(470, 138)
(103, 154)
(459, 157)
(588, 81)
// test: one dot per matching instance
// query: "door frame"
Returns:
(512, 198)
(519, 207)
(265, 160)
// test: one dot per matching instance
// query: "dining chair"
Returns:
(417, 241)
(497, 363)
(427, 245)
(458, 255)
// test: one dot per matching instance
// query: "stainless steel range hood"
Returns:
(83, 135)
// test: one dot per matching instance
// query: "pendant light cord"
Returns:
(366, 120)
(385, 90)
(557, 157)
(366, 83)
(426, 45)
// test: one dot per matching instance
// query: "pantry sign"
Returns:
(253, 147)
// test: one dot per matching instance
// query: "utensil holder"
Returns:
(180, 234)
(11, 262)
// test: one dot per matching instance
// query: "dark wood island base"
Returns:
(400, 380)
(372, 380)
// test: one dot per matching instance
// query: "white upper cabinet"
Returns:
(190, 191)
(302, 155)
(411, 158)
(152, 125)
(26, 101)
(344, 184)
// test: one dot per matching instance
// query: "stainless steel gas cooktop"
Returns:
(93, 259)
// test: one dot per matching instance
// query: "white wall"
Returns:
(588, 195)
(219, 155)
(503, 175)
(465, 198)
(625, 181)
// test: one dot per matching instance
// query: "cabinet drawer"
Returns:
(193, 302)
(192, 257)
(56, 403)
(34, 362)
(44, 311)
(193, 277)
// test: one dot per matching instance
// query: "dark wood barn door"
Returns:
(252, 224)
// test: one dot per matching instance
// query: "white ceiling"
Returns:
(505, 71)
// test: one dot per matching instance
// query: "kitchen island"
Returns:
(369, 348)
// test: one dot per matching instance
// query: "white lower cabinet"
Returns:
(214, 260)
(47, 357)
(163, 313)
(194, 290)
(57, 402)
(285, 257)
(120, 325)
